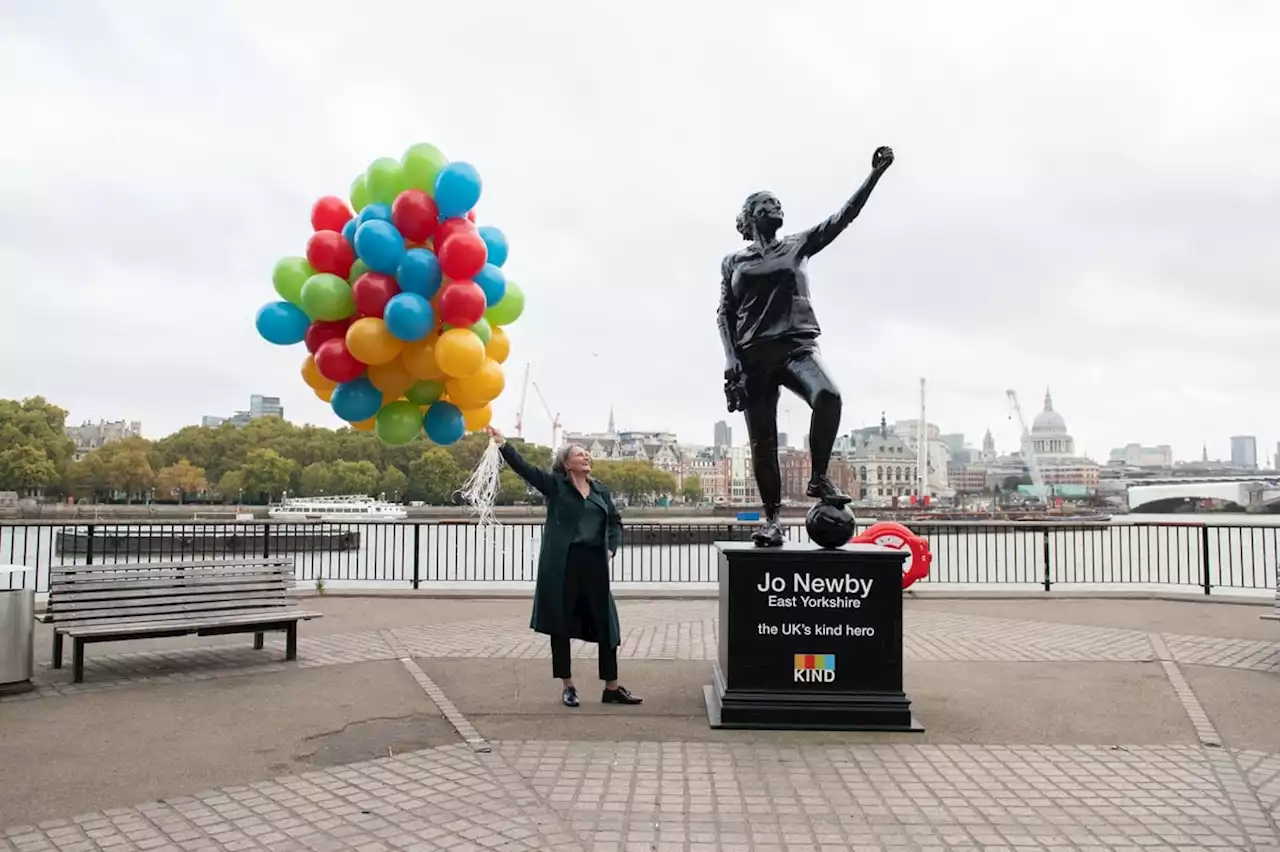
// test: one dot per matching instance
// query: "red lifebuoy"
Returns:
(889, 534)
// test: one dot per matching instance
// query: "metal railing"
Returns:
(417, 555)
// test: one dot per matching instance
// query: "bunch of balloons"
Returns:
(401, 301)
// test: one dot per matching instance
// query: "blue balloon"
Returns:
(349, 231)
(496, 241)
(443, 423)
(457, 189)
(493, 282)
(420, 273)
(282, 323)
(409, 316)
(356, 400)
(374, 211)
(380, 246)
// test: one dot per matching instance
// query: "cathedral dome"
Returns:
(1049, 422)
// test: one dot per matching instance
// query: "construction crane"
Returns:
(554, 418)
(1028, 450)
(524, 395)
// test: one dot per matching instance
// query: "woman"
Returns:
(572, 598)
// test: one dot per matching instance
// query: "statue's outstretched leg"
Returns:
(807, 377)
(762, 428)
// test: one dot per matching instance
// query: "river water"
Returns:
(1241, 553)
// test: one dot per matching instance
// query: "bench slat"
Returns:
(63, 625)
(88, 591)
(151, 590)
(211, 608)
(122, 628)
(143, 571)
(194, 563)
(175, 599)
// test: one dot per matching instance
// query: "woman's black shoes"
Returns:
(570, 696)
(620, 696)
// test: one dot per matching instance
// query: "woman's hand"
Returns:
(495, 435)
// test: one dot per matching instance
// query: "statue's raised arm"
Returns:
(820, 236)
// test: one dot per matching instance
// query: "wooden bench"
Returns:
(146, 600)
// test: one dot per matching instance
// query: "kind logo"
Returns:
(815, 668)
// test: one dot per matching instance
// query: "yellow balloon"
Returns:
(460, 395)
(499, 346)
(326, 394)
(370, 342)
(460, 353)
(477, 418)
(392, 378)
(419, 359)
(482, 386)
(364, 425)
(314, 378)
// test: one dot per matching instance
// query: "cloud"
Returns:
(1084, 198)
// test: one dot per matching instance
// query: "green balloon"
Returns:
(327, 297)
(398, 423)
(422, 162)
(509, 309)
(425, 393)
(482, 330)
(359, 194)
(385, 178)
(357, 269)
(289, 276)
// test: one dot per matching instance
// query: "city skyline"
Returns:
(1102, 241)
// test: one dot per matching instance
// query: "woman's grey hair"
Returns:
(562, 455)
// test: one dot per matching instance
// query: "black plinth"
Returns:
(810, 639)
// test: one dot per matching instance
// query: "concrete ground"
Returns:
(414, 723)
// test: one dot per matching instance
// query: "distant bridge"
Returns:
(1251, 492)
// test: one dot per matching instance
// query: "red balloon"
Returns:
(330, 214)
(449, 227)
(415, 215)
(462, 304)
(471, 215)
(372, 291)
(328, 252)
(321, 330)
(336, 363)
(462, 255)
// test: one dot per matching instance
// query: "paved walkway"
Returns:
(1044, 733)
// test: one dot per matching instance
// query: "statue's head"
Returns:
(761, 213)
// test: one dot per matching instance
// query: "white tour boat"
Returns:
(344, 507)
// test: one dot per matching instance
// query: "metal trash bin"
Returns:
(17, 628)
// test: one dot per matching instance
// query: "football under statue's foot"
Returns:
(769, 535)
(822, 488)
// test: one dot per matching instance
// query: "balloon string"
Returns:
(480, 491)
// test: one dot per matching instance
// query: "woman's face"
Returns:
(577, 460)
(767, 211)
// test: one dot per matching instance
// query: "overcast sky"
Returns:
(1087, 199)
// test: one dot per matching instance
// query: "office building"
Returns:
(723, 435)
(1244, 452)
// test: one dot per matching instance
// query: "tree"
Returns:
(126, 469)
(266, 473)
(25, 468)
(435, 477)
(394, 484)
(635, 480)
(231, 486)
(692, 490)
(180, 479)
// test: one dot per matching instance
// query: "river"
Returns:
(1139, 550)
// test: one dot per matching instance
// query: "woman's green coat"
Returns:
(564, 508)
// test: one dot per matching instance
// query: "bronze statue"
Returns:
(770, 333)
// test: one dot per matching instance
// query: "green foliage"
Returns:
(635, 480)
(34, 447)
(692, 489)
(252, 464)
